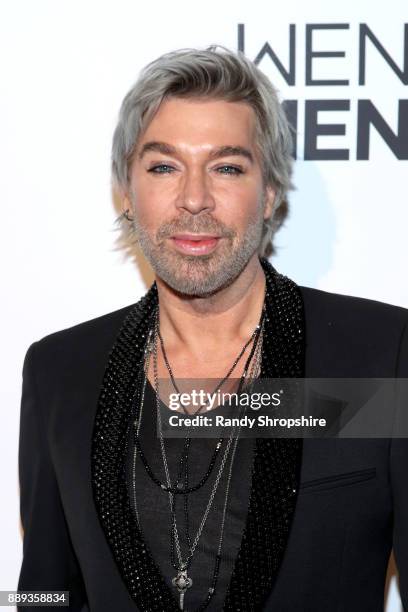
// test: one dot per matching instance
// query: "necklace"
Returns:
(256, 351)
(256, 356)
(254, 373)
(228, 374)
(177, 489)
(182, 581)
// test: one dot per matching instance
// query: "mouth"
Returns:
(195, 244)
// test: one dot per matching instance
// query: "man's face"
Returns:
(197, 195)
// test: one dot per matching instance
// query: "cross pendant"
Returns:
(182, 582)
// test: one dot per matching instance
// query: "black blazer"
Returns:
(352, 506)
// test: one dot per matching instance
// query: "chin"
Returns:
(200, 275)
(199, 283)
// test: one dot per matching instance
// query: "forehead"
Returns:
(198, 121)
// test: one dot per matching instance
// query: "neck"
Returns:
(203, 325)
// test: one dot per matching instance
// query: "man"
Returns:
(125, 520)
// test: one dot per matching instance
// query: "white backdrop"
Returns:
(65, 67)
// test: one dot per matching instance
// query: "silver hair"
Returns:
(218, 73)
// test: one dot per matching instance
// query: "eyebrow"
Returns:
(159, 147)
(224, 151)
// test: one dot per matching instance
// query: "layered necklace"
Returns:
(183, 581)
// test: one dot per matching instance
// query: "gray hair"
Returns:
(219, 73)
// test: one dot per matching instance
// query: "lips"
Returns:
(195, 244)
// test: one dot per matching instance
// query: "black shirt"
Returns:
(154, 508)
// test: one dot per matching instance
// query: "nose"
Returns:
(195, 193)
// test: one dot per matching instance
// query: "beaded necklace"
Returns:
(182, 581)
(184, 464)
(177, 490)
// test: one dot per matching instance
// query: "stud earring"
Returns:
(126, 215)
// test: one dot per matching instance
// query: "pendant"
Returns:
(182, 582)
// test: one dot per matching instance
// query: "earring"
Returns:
(126, 215)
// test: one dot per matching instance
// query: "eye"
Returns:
(161, 169)
(228, 169)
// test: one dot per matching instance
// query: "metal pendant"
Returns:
(182, 582)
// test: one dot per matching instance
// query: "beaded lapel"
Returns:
(276, 467)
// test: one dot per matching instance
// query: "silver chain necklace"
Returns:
(182, 581)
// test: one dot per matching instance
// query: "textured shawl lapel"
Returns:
(276, 466)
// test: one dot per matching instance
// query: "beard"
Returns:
(199, 275)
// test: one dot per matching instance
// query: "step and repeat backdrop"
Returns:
(342, 73)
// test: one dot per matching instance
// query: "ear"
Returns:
(270, 194)
(126, 203)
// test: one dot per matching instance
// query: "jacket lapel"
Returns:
(118, 398)
(276, 466)
(277, 461)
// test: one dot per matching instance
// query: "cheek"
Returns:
(149, 205)
(237, 207)
(243, 197)
(249, 204)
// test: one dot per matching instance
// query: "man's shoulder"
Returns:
(349, 305)
(92, 336)
(349, 309)
(349, 336)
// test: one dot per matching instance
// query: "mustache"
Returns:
(194, 225)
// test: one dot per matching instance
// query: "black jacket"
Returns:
(352, 506)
